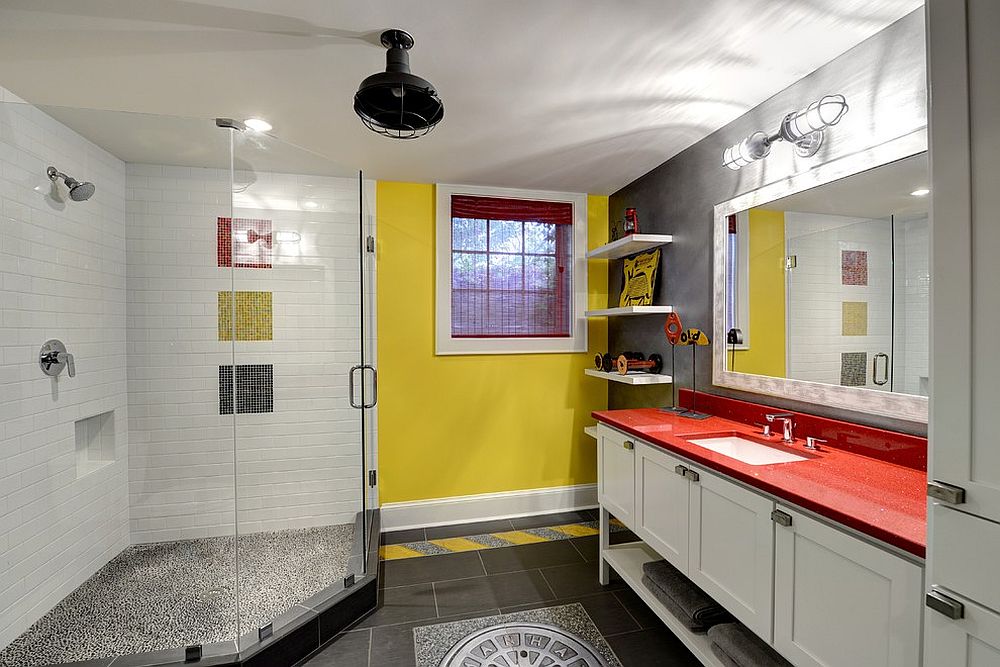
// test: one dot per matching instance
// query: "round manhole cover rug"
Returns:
(522, 645)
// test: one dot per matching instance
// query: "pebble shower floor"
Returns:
(171, 594)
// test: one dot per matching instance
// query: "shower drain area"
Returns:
(522, 645)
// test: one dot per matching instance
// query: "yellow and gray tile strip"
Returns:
(449, 545)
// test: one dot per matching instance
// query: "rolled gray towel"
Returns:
(692, 625)
(736, 646)
(693, 602)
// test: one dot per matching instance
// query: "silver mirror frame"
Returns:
(858, 399)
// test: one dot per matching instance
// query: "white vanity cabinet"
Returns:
(732, 549)
(841, 601)
(662, 501)
(616, 479)
(821, 596)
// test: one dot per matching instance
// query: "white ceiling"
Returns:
(577, 95)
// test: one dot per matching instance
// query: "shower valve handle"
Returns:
(53, 357)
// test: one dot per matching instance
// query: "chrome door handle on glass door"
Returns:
(350, 385)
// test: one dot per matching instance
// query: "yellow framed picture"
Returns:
(640, 279)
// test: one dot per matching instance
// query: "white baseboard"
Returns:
(486, 506)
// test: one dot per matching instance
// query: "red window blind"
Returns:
(511, 268)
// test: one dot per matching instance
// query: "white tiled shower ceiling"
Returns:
(62, 275)
(299, 464)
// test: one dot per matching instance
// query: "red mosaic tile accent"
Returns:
(854, 267)
(244, 243)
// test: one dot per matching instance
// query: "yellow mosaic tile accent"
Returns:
(455, 544)
(397, 551)
(253, 316)
(576, 530)
(855, 318)
(520, 537)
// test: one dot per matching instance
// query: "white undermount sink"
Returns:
(747, 451)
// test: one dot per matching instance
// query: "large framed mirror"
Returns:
(822, 287)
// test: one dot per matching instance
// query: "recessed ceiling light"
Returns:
(922, 192)
(310, 204)
(257, 124)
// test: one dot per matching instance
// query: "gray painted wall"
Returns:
(884, 81)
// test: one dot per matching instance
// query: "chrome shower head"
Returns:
(77, 191)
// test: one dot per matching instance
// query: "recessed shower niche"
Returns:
(95, 442)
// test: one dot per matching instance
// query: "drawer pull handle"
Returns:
(629, 445)
(948, 493)
(781, 518)
(943, 604)
(680, 470)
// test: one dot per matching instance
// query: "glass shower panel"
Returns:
(118, 481)
(839, 291)
(911, 296)
(293, 318)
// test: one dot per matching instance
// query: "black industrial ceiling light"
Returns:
(395, 102)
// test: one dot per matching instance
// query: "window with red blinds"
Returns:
(511, 268)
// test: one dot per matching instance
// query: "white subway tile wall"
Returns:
(913, 287)
(297, 466)
(62, 275)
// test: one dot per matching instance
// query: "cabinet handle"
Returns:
(692, 475)
(948, 493)
(781, 518)
(943, 604)
(680, 470)
(629, 445)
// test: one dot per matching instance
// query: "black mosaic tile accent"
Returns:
(254, 391)
(853, 367)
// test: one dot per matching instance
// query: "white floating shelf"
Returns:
(631, 378)
(629, 245)
(629, 310)
(627, 561)
(591, 431)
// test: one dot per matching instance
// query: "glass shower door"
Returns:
(839, 291)
(294, 318)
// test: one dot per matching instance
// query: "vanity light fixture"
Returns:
(258, 125)
(920, 192)
(804, 128)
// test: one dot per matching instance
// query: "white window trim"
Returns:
(444, 343)
(743, 279)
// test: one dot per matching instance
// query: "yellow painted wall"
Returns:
(462, 425)
(766, 355)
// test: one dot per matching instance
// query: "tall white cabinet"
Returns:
(962, 616)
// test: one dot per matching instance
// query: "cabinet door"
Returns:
(973, 640)
(964, 49)
(661, 510)
(616, 474)
(732, 549)
(841, 602)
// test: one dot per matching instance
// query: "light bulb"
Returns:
(258, 124)
(754, 147)
(816, 117)
(920, 192)
(288, 237)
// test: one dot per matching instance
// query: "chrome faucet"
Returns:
(787, 425)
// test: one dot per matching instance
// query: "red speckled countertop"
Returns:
(885, 500)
